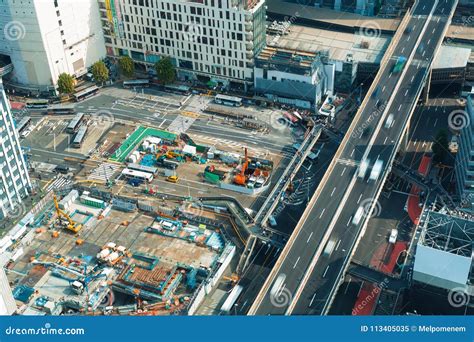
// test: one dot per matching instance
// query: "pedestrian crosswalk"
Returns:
(59, 183)
(348, 162)
(103, 172)
(181, 124)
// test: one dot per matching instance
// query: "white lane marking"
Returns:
(325, 271)
(399, 107)
(350, 218)
(309, 237)
(322, 212)
(359, 198)
(406, 92)
(338, 243)
(332, 193)
(294, 266)
(343, 171)
(352, 153)
(436, 121)
(312, 299)
(383, 88)
(162, 123)
(385, 140)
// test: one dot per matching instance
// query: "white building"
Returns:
(14, 179)
(293, 77)
(212, 40)
(45, 38)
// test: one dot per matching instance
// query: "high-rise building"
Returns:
(210, 40)
(46, 38)
(465, 157)
(14, 180)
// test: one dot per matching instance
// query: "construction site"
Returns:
(89, 256)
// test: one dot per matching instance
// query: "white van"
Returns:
(363, 167)
(376, 170)
(358, 216)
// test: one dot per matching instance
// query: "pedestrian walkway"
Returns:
(59, 183)
(181, 124)
(103, 172)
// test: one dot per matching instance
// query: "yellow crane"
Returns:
(71, 225)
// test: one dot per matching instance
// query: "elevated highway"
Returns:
(305, 277)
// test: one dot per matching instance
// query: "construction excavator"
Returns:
(70, 224)
(240, 178)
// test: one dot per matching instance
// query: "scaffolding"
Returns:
(448, 233)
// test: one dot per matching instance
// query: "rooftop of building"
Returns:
(452, 57)
(286, 57)
(340, 46)
(327, 16)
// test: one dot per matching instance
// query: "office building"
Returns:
(14, 180)
(213, 41)
(465, 157)
(46, 38)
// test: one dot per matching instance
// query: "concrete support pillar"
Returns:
(426, 90)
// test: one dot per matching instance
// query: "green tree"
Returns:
(126, 66)
(65, 83)
(440, 146)
(100, 72)
(165, 70)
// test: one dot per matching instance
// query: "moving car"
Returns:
(358, 215)
(376, 170)
(389, 121)
(363, 167)
(393, 236)
(172, 179)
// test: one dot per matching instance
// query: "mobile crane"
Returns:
(240, 178)
(70, 225)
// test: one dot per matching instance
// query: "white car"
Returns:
(363, 167)
(389, 121)
(393, 236)
(25, 133)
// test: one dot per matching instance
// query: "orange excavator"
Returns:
(240, 177)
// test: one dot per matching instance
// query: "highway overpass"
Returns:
(304, 279)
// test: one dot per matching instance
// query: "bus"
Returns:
(84, 94)
(60, 110)
(79, 138)
(399, 64)
(128, 173)
(144, 168)
(231, 299)
(180, 89)
(170, 164)
(75, 123)
(136, 83)
(225, 100)
(37, 104)
(25, 122)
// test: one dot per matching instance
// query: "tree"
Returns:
(165, 70)
(126, 66)
(440, 146)
(100, 72)
(65, 83)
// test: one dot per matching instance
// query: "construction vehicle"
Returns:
(240, 178)
(70, 224)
